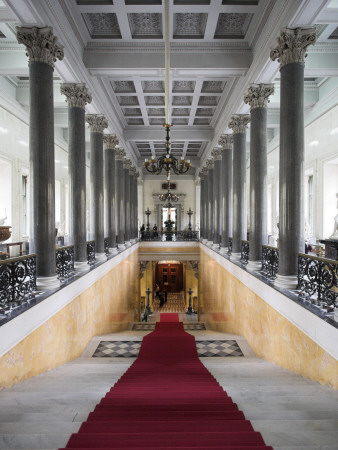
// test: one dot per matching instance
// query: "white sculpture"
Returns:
(334, 235)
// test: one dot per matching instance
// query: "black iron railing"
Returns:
(244, 252)
(270, 259)
(106, 246)
(318, 280)
(229, 246)
(91, 252)
(65, 262)
(17, 280)
(169, 236)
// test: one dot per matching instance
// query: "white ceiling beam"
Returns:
(183, 133)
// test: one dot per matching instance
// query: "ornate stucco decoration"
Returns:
(217, 154)
(77, 94)
(210, 163)
(143, 267)
(97, 122)
(194, 267)
(226, 141)
(292, 45)
(41, 44)
(120, 154)
(239, 122)
(258, 95)
(110, 141)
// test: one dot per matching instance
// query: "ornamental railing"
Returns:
(244, 252)
(106, 246)
(17, 281)
(65, 262)
(91, 252)
(318, 280)
(229, 246)
(270, 260)
(164, 236)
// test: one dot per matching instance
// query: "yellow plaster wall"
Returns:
(190, 282)
(229, 306)
(107, 306)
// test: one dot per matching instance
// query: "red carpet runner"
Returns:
(167, 399)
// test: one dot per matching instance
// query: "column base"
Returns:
(204, 241)
(286, 281)
(235, 257)
(209, 243)
(254, 265)
(224, 250)
(47, 283)
(122, 246)
(100, 257)
(215, 246)
(128, 244)
(81, 266)
(113, 251)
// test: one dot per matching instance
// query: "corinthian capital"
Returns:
(110, 141)
(127, 163)
(226, 141)
(217, 154)
(97, 122)
(210, 163)
(239, 122)
(201, 175)
(292, 45)
(132, 170)
(120, 154)
(77, 94)
(41, 44)
(205, 170)
(258, 95)
(136, 175)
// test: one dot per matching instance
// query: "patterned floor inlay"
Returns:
(151, 326)
(130, 349)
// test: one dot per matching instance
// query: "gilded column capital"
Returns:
(41, 44)
(239, 122)
(292, 45)
(97, 122)
(127, 163)
(210, 163)
(226, 141)
(120, 154)
(217, 154)
(77, 94)
(110, 141)
(258, 95)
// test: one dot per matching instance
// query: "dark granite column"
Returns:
(42, 50)
(238, 124)
(211, 221)
(226, 141)
(97, 124)
(136, 176)
(126, 167)
(206, 204)
(77, 96)
(290, 52)
(119, 195)
(132, 172)
(258, 97)
(216, 153)
(201, 175)
(110, 142)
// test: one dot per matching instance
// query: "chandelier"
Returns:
(168, 197)
(167, 161)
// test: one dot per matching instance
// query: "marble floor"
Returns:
(291, 412)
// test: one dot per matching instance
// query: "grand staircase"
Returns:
(291, 412)
(175, 303)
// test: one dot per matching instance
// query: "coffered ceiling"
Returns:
(218, 47)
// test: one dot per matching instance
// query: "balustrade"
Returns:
(318, 280)
(229, 246)
(91, 252)
(17, 281)
(169, 235)
(65, 262)
(270, 259)
(106, 246)
(244, 252)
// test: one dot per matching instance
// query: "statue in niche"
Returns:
(334, 235)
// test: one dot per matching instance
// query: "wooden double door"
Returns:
(170, 277)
